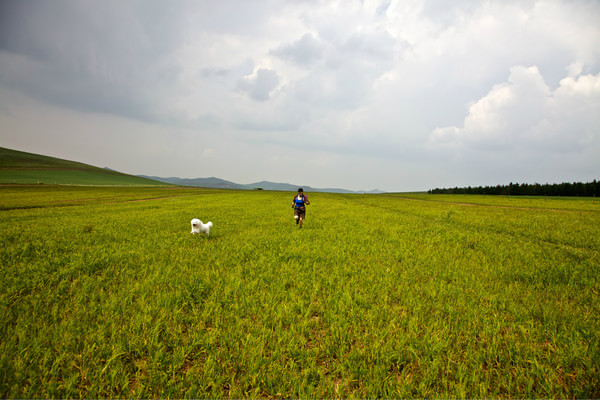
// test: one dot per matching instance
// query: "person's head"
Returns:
(300, 190)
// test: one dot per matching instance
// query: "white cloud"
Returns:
(525, 113)
(572, 118)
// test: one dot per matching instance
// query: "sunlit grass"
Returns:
(376, 296)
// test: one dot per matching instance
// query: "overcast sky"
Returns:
(397, 95)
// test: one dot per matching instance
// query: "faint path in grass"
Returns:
(34, 197)
(473, 204)
(79, 202)
(492, 222)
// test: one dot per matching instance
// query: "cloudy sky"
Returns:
(397, 95)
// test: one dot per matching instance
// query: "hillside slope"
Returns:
(19, 167)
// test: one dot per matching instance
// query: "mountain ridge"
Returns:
(31, 168)
(218, 183)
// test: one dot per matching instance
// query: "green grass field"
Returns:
(106, 294)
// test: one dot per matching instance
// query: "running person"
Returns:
(299, 205)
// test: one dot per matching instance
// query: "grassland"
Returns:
(106, 294)
(18, 167)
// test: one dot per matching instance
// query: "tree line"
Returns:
(526, 189)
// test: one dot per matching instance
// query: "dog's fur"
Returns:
(199, 227)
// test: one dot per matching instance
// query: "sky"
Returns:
(395, 95)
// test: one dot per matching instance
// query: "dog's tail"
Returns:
(209, 224)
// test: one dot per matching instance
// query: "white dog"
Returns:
(199, 227)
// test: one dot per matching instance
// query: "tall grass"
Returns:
(376, 296)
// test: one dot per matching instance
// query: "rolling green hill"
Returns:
(18, 167)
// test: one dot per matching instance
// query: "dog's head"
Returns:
(196, 223)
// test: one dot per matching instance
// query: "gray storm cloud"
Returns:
(365, 89)
(304, 51)
(260, 85)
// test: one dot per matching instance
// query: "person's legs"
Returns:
(299, 216)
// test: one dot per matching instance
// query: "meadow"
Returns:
(106, 294)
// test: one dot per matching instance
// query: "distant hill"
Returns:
(19, 167)
(265, 185)
(216, 183)
(292, 188)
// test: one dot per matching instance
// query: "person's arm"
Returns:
(306, 199)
